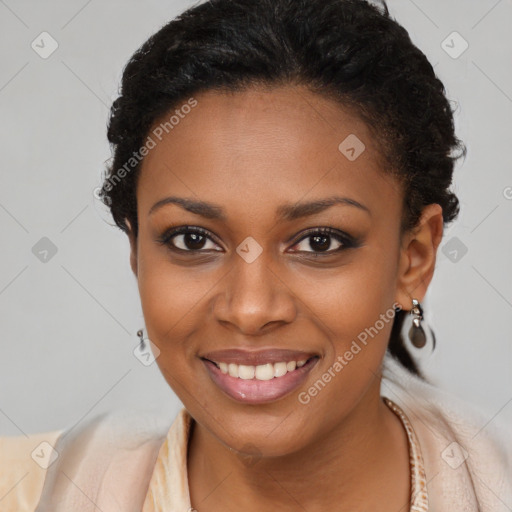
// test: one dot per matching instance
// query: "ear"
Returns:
(133, 248)
(418, 256)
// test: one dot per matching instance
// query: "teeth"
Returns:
(246, 372)
(279, 369)
(264, 371)
(261, 372)
(233, 369)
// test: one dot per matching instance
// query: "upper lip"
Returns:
(256, 357)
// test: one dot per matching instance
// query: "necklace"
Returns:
(419, 496)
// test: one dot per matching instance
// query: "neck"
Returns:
(364, 460)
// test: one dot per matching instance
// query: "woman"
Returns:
(282, 170)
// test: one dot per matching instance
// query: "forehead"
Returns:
(285, 143)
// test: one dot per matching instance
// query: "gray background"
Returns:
(68, 324)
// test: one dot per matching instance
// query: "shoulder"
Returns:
(24, 461)
(111, 456)
(58, 470)
(465, 450)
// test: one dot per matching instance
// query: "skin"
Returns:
(249, 153)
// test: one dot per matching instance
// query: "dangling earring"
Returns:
(416, 332)
(140, 334)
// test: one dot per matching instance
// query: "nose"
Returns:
(254, 296)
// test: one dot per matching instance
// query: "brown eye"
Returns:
(324, 240)
(188, 239)
(319, 243)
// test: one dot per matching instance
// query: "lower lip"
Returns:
(253, 391)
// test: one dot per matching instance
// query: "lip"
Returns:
(256, 357)
(254, 391)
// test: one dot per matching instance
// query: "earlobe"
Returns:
(133, 248)
(418, 256)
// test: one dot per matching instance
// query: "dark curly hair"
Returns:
(350, 51)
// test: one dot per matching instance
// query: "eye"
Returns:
(188, 239)
(322, 240)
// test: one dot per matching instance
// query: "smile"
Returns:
(261, 372)
(259, 383)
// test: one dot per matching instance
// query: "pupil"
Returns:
(318, 239)
(194, 241)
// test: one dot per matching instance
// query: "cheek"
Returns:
(352, 299)
(170, 304)
(170, 298)
(355, 309)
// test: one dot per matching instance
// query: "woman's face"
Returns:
(260, 173)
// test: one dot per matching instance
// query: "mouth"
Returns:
(259, 377)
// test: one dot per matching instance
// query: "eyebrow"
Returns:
(287, 212)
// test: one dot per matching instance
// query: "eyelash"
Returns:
(346, 240)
